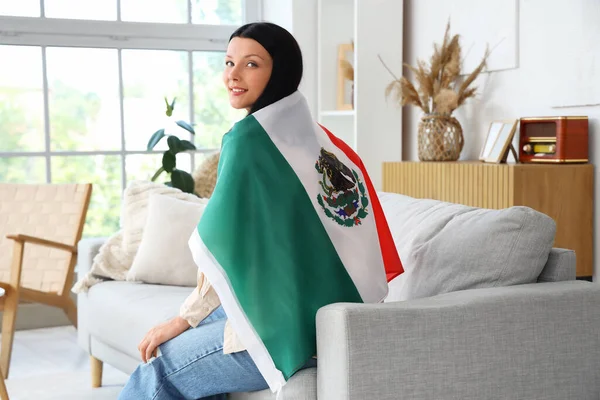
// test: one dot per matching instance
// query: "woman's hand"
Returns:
(159, 334)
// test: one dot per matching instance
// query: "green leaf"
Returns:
(186, 126)
(320, 200)
(174, 144)
(157, 174)
(186, 145)
(168, 161)
(173, 103)
(169, 111)
(155, 138)
(182, 181)
(362, 213)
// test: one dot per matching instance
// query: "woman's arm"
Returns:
(198, 305)
(159, 334)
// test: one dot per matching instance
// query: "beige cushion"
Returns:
(164, 256)
(205, 176)
(135, 207)
(116, 255)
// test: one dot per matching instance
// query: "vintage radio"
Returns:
(553, 140)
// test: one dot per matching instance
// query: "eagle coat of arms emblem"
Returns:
(343, 197)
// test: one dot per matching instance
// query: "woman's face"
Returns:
(247, 71)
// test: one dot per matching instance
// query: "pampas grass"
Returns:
(439, 87)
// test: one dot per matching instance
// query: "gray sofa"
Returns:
(539, 340)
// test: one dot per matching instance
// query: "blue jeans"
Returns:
(193, 366)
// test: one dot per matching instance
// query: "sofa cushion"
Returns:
(301, 386)
(121, 313)
(148, 305)
(446, 247)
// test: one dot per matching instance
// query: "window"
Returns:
(83, 82)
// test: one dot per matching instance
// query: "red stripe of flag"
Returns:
(391, 259)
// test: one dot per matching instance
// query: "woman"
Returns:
(263, 64)
(293, 224)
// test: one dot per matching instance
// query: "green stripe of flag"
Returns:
(261, 227)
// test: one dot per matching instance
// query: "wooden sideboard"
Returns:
(563, 192)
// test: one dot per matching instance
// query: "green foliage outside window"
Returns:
(73, 109)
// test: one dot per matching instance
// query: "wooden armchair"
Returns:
(42, 224)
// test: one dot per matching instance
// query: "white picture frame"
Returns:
(492, 134)
(498, 140)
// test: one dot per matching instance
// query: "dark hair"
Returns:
(287, 60)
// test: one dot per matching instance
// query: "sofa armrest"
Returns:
(561, 266)
(528, 341)
(86, 251)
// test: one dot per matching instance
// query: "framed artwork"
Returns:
(498, 141)
(345, 77)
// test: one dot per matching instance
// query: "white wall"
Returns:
(377, 118)
(378, 121)
(554, 38)
(300, 18)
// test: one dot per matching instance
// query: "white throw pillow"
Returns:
(164, 256)
(135, 208)
(115, 256)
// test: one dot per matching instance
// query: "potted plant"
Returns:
(440, 91)
(181, 180)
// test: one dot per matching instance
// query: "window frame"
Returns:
(119, 35)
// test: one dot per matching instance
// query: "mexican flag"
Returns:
(294, 224)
